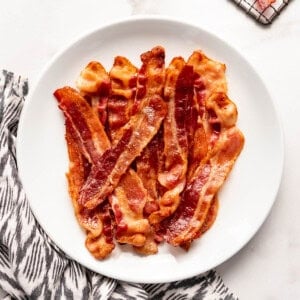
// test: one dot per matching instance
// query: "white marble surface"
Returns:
(268, 267)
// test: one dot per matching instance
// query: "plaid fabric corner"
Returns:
(266, 16)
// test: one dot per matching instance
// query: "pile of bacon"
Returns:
(149, 149)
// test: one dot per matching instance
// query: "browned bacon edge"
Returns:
(195, 128)
(128, 201)
(96, 224)
(105, 175)
(178, 94)
(203, 132)
(129, 197)
(207, 224)
(209, 74)
(94, 84)
(219, 120)
(90, 132)
(207, 126)
(221, 113)
(148, 166)
(211, 216)
(209, 79)
(184, 225)
(151, 78)
(123, 91)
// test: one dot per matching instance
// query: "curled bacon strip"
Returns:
(96, 223)
(207, 224)
(209, 78)
(137, 133)
(221, 114)
(178, 94)
(148, 112)
(90, 132)
(123, 89)
(148, 165)
(94, 83)
(203, 126)
(128, 201)
(86, 141)
(129, 197)
(184, 225)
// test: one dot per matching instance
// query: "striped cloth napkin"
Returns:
(32, 266)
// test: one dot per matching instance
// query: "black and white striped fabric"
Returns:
(31, 266)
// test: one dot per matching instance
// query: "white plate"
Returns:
(246, 198)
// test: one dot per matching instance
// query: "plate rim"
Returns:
(181, 22)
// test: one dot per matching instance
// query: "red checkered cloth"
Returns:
(263, 16)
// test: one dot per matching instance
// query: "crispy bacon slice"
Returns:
(184, 225)
(210, 75)
(94, 84)
(209, 78)
(148, 112)
(93, 79)
(148, 166)
(225, 143)
(123, 89)
(151, 78)
(129, 197)
(137, 133)
(221, 113)
(90, 132)
(78, 166)
(128, 201)
(178, 94)
(96, 223)
(99, 241)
